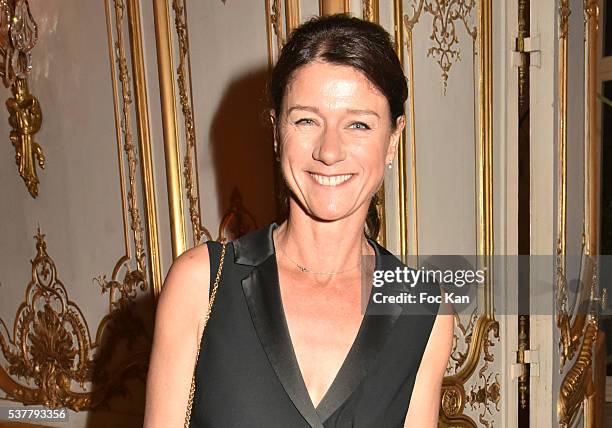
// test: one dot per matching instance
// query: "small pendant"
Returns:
(303, 269)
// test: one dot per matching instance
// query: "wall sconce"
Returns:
(18, 35)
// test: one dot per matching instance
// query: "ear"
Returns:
(400, 123)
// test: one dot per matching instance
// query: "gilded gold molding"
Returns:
(409, 22)
(452, 412)
(165, 67)
(183, 81)
(578, 336)
(18, 36)
(292, 15)
(128, 137)
(330, 7)
(401, 147)
(25, 117)
(52, 359)
(274, 30)
(51, 352)
(578, 383)
(458, 358)
(144, 141)
(454, 397)
(444, 15)
(370, 10)
(371, 14)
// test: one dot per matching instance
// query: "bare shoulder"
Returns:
(178, 326)
(187, 283)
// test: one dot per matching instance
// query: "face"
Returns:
(335, 136)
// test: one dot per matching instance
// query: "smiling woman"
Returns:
(287, 344)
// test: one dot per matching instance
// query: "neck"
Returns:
(323, 246)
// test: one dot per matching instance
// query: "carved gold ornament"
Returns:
(51, 358)
(191, 187)
(578, 383)
(274, 30)
(458, 356)
(485, 395)
(481, 397)
(18, 36)
(445, 14)
(578, 334)
(370, 10)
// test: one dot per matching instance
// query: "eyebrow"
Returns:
(317, 111)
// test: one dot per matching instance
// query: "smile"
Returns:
(330, 180)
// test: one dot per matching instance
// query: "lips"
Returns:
(331, 180)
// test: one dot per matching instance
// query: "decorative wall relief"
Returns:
(370, 10)
(578, 333)
(18, 36)
(184, 86)
(51, 357)
(274, 26)
(446, 14)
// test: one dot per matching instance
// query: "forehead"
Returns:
(322, 84)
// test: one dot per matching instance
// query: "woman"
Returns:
(287, 344)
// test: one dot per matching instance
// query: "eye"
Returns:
(305, 121)
(359, 125)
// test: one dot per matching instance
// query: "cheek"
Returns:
(372, 153)
(297, 148)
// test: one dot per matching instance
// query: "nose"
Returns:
(330, 149)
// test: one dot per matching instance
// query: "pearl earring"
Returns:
(389, 165)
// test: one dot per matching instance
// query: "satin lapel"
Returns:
(373, 333)
(262, 293)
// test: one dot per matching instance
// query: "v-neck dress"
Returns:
(247, 374)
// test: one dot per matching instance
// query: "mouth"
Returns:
(330, 180)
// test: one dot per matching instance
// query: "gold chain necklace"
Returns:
(308, 270)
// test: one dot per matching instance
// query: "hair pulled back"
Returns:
(343, 40)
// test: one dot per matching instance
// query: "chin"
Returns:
(330, 212)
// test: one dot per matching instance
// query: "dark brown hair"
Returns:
(343, 40)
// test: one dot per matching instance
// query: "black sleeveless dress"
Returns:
(247, 374)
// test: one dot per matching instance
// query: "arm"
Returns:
(178, 328)
(425, 401)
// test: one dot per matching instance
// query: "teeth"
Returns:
(334, 180)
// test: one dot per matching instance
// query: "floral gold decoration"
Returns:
(370, 10)
(458, 357)
(191, 186)
(18, 36)
(274, 29)
(51, 358)
(577, 335)
(578, 383)
(485, 395)
(482, 397)
(445, 15)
